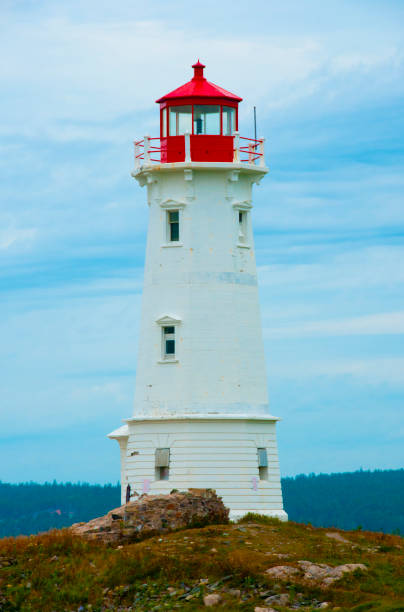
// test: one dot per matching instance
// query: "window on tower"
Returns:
(180, 120)
(262, 463)
(162, 463)
(173, 225)
(242, 226)
(168, 342)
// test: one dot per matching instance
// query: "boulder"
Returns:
(155, 514)
(282, 572)
(212, 600)
(320, 572)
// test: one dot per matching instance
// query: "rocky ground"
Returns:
(257, 565)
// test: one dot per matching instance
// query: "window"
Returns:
(173, 226)
(162, 463)
(229, 120)
(180, 120)
(168, 342)
(242, 226)
(206, 119)
(262, 463)
(164, 122)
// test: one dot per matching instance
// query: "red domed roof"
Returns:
(199, 87)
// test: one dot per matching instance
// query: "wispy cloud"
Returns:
(377, 324)
(16, 237)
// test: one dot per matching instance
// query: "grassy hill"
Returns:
(57, 571)
(371, 500)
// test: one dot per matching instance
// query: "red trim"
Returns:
(199, 100)
(166, 108)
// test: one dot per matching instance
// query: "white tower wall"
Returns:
(207, 282)
(208, 405)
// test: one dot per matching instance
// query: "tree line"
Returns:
(369, 500)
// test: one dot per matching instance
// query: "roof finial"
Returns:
(198, 70)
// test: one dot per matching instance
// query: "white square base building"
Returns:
(218, 453)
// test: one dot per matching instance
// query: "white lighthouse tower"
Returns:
(201, 415)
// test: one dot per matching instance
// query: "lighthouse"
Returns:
(201, 415)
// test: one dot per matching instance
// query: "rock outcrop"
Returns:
(156, 514)
(320, 573)
(326, 574)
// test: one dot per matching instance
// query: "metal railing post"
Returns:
(146, 150)
(236, 158)
(187, 138)
(262, 157)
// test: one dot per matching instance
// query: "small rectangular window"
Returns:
(173, 225)
(162, 463)
(262, 463)
(169, 342)
(242, 226)
(262, 457)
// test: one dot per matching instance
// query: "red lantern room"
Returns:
(207, 112)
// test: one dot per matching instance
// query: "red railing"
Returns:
(252, 152)
(144, 150)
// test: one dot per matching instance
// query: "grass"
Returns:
(57, 571)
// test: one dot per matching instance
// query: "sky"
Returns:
(78, 82)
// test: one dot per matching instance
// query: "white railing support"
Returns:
(262, 151)
(251, 148)
(236, 158)
(146, 150)
(187, 138)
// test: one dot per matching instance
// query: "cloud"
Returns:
(21, 238)
(328, 268)
(372, 371)
(98, 70)
(377, 324)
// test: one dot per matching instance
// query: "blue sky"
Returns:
(78, 83)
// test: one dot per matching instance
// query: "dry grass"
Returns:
(57, 571)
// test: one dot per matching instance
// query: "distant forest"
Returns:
(372, 501)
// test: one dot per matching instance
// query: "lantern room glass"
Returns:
(180, 120)
(164, 122)
(229, 120)
(206, 119)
